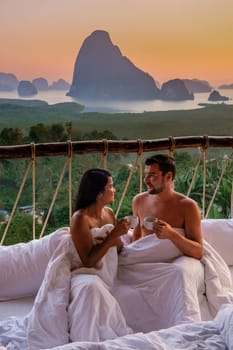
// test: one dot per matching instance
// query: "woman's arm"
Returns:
(89, 253)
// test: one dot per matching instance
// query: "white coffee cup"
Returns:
(133, 220)
(148, 222)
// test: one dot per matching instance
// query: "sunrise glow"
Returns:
(168, 39)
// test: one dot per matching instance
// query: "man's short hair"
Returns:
(166, 163)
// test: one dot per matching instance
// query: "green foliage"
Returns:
(39, 133)
(121, 176)
(11, 136)
(214, 168)
(60, 216)
(20, 229)
(51, 133)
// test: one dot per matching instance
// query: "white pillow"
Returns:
(219, 233)
(148, 249)
(22, 265)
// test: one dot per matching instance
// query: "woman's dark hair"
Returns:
(165, 163)
(92, 183)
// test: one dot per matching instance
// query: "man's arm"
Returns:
(191, 244)
(193, 227)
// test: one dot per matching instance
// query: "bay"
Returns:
(58, 96)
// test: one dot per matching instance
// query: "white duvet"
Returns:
(205, 335)
(154, 287)
(156, 280)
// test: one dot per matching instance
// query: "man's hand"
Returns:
(162, 229)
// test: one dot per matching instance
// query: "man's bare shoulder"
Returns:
(184, 198)
(186, 201)
(140, 196)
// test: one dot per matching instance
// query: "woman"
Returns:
(96, 238)
(74, 302)
(95, 192)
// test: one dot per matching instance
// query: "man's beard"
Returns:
(156, 190)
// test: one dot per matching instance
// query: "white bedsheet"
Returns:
(205, 335)
(152, 295)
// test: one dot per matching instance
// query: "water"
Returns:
(57, 96)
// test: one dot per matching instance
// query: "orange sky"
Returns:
(166, 38)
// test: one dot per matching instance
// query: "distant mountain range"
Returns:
(9, 82)
(226, 86)
(102, 72)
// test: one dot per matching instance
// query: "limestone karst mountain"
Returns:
(197, 85)
(26, 88)
(102, 72)
(8, 82)
(60, 84)
(216, 96)
(175, 90)
(41, 84)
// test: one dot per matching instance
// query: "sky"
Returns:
(168, 39)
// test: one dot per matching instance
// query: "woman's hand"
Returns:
(121, 227)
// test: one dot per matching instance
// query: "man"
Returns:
(167, 280)
(172, 210)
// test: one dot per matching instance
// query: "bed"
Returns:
(207, 324)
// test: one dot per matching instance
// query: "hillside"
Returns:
(211, 120)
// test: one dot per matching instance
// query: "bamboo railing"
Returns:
(95, 146)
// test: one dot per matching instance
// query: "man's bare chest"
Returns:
(170, 212)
